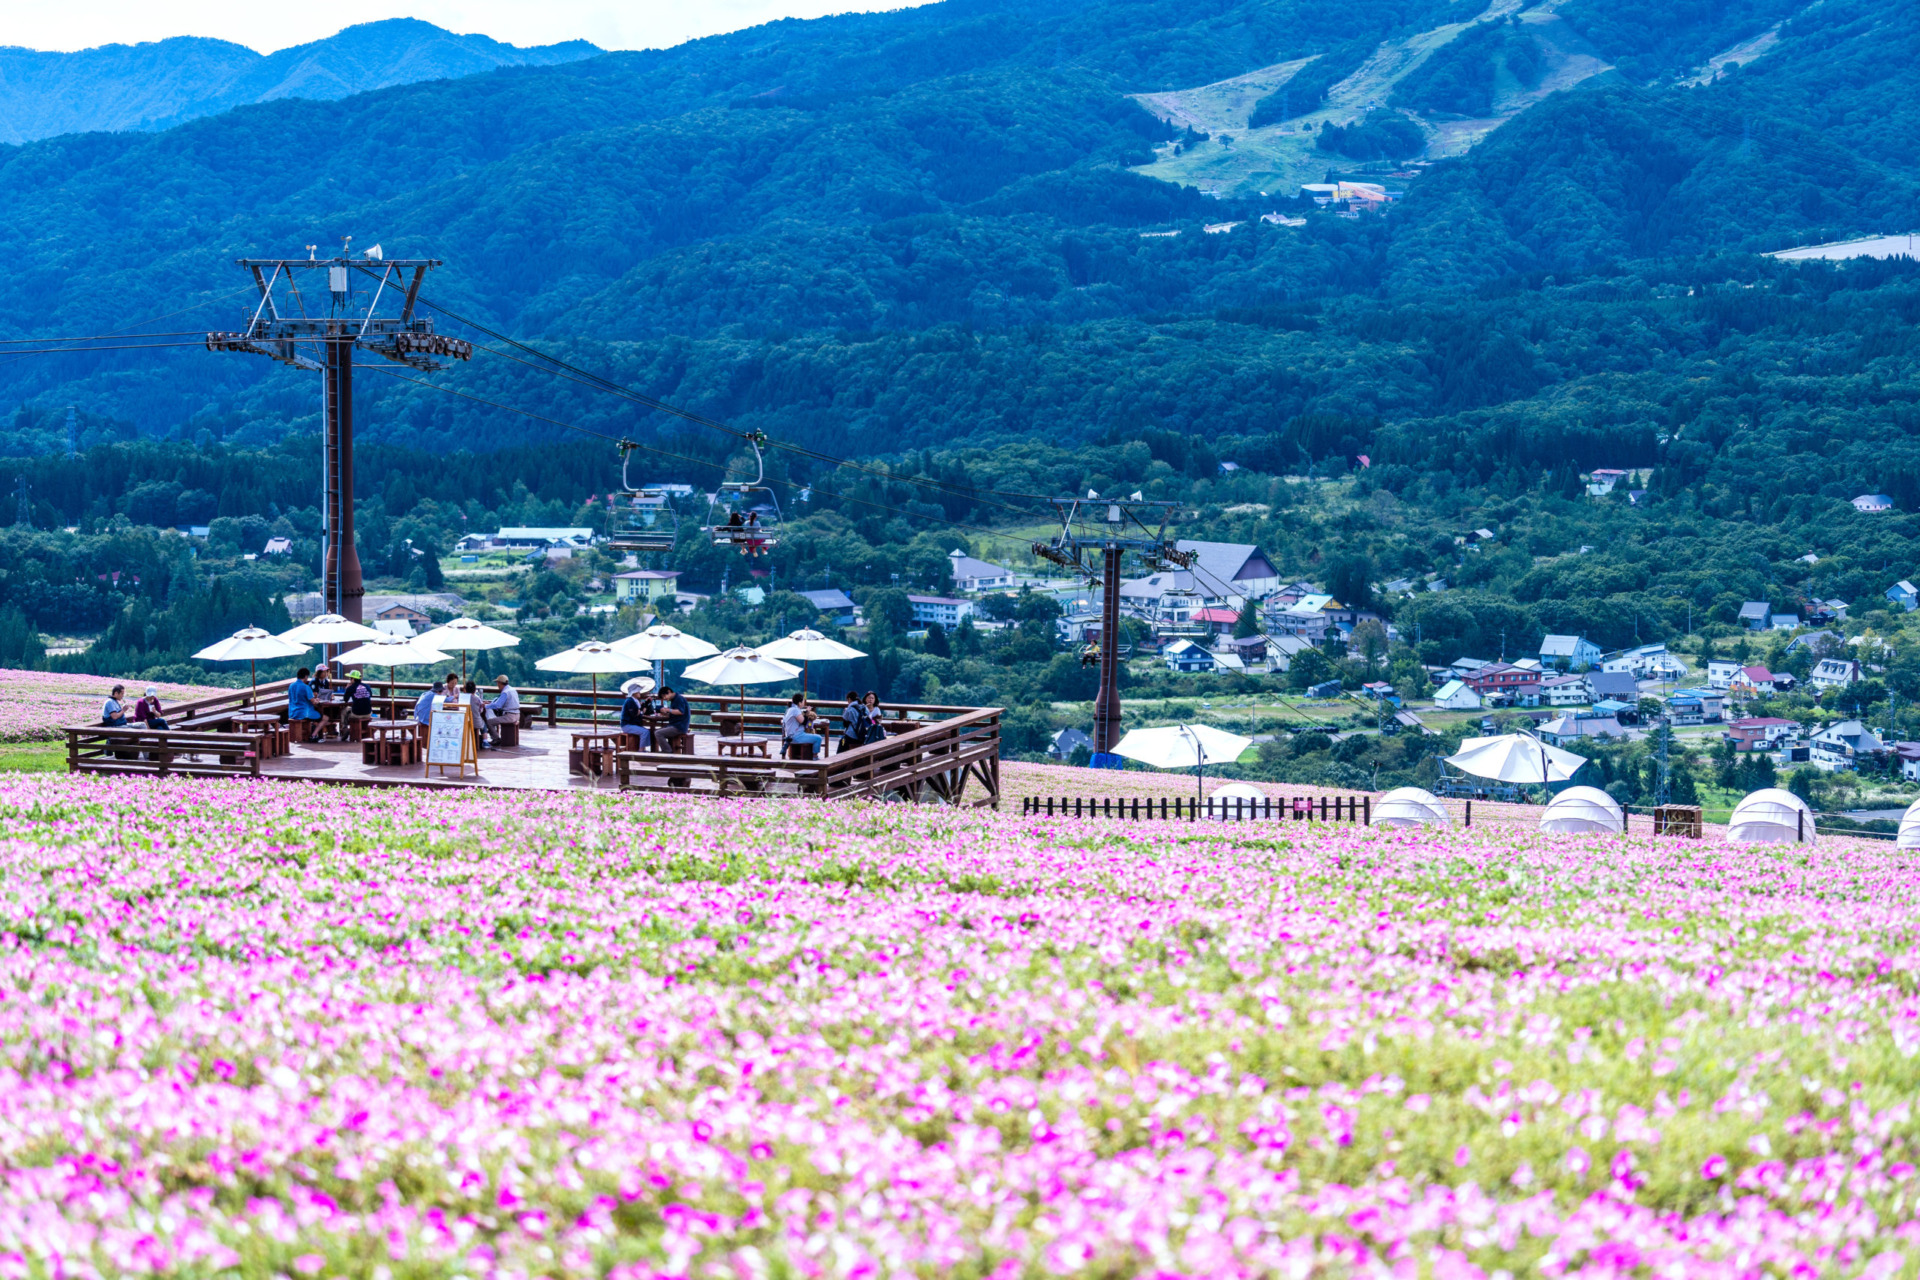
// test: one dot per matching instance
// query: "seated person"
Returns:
(423, 709)
(505, 706)
(322, 681)
(147, 710)
(300, 698)
(476, 713)
(112, 714)
(359, 697)
(634, 710)
(680, 722)
(796, 726)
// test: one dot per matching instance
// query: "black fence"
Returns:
(1357, 809)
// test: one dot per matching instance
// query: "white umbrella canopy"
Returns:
(1581, 811)
(741, 666)
(591, 658)
(1909, 837)
(1410, 807)
(1515, 757)
(806, 644)
(390, 652)
(1237, 791)
(1771, 816)
(661, 643)
(1182, 746)
(467, 635)
(330, 628)
(251, 645)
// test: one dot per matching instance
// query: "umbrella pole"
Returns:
(253, 676)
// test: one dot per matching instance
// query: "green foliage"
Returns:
(1307, 90)
(1383, 135)
(1461, 77)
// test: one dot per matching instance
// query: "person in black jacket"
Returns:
(851, 716)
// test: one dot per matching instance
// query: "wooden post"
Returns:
(1366, 803)
(1469, 813)
(1323, 808)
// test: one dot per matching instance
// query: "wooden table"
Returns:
(392, 742)
(268, 728)
(593, 750)
(744, 746)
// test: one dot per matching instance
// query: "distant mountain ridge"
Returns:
(119, 88)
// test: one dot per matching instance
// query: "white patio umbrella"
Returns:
(591, 658)
(330, 628)
(803, 646)
(1410, 807)
(1771, 816)
(1515, 757)
(251, 645)
(1909, 837)
(1183, 746)
(741, 666)
(1583, 810)
(467, 635)
(661, 643)
(393, 651)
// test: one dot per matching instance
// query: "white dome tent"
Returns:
(1410, 807)
(1772, 816)
(1237, 791)
(1909, 837)
(1583, 811)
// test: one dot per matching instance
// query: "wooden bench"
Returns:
(162, 752)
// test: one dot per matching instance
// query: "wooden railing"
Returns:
(1357, 809)
(941, 757)
(162, 752)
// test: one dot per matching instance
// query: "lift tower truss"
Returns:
(1112, 527)
(367, 303)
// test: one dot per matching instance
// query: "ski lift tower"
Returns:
(1112, 527)
(315, 322)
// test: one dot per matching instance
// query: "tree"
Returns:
(937, 640)
(1310, 667)
(1369, 640)
(1247, 624)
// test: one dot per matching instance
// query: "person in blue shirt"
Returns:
(300, 698)
(423, 709)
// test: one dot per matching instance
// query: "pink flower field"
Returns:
(268, 1030)
(37, 705)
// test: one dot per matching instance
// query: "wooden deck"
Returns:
(935, 752)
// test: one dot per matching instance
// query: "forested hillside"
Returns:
(926, 238)
(167, 82)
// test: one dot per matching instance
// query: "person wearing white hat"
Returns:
(635, 709)
(147, 710)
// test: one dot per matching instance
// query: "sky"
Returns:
(265, 26)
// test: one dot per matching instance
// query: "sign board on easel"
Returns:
(450, 742)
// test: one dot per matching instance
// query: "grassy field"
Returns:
(33, 757)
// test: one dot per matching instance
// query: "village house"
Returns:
(1310, 617)
(1232, 572)
(1464, 668)
(1565, 729)
(1783, 622)
(1760, 733)
(1833, 673)
(1568, 652)
(1563, 691)
(1721, 673)
(974, 575)
(1187, 657)
(1498, 677)
(1696, 706)
(1839, 748)
(1872, 502)
(1904, 594)
(1754, 682)
(1753, 615)
(1620, 685)
(278, 547)
(1063, 743)
(836, 604)
(644, 586)
(943, 610)
(1456, 696)
(1909, 756)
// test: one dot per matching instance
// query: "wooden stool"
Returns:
(507, 732)
(799, 751)
(303, 730)
(356, 730)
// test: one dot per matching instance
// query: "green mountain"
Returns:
(951, 224)
(118, 87)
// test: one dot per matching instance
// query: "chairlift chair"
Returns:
(640, 517)
(745, 514)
